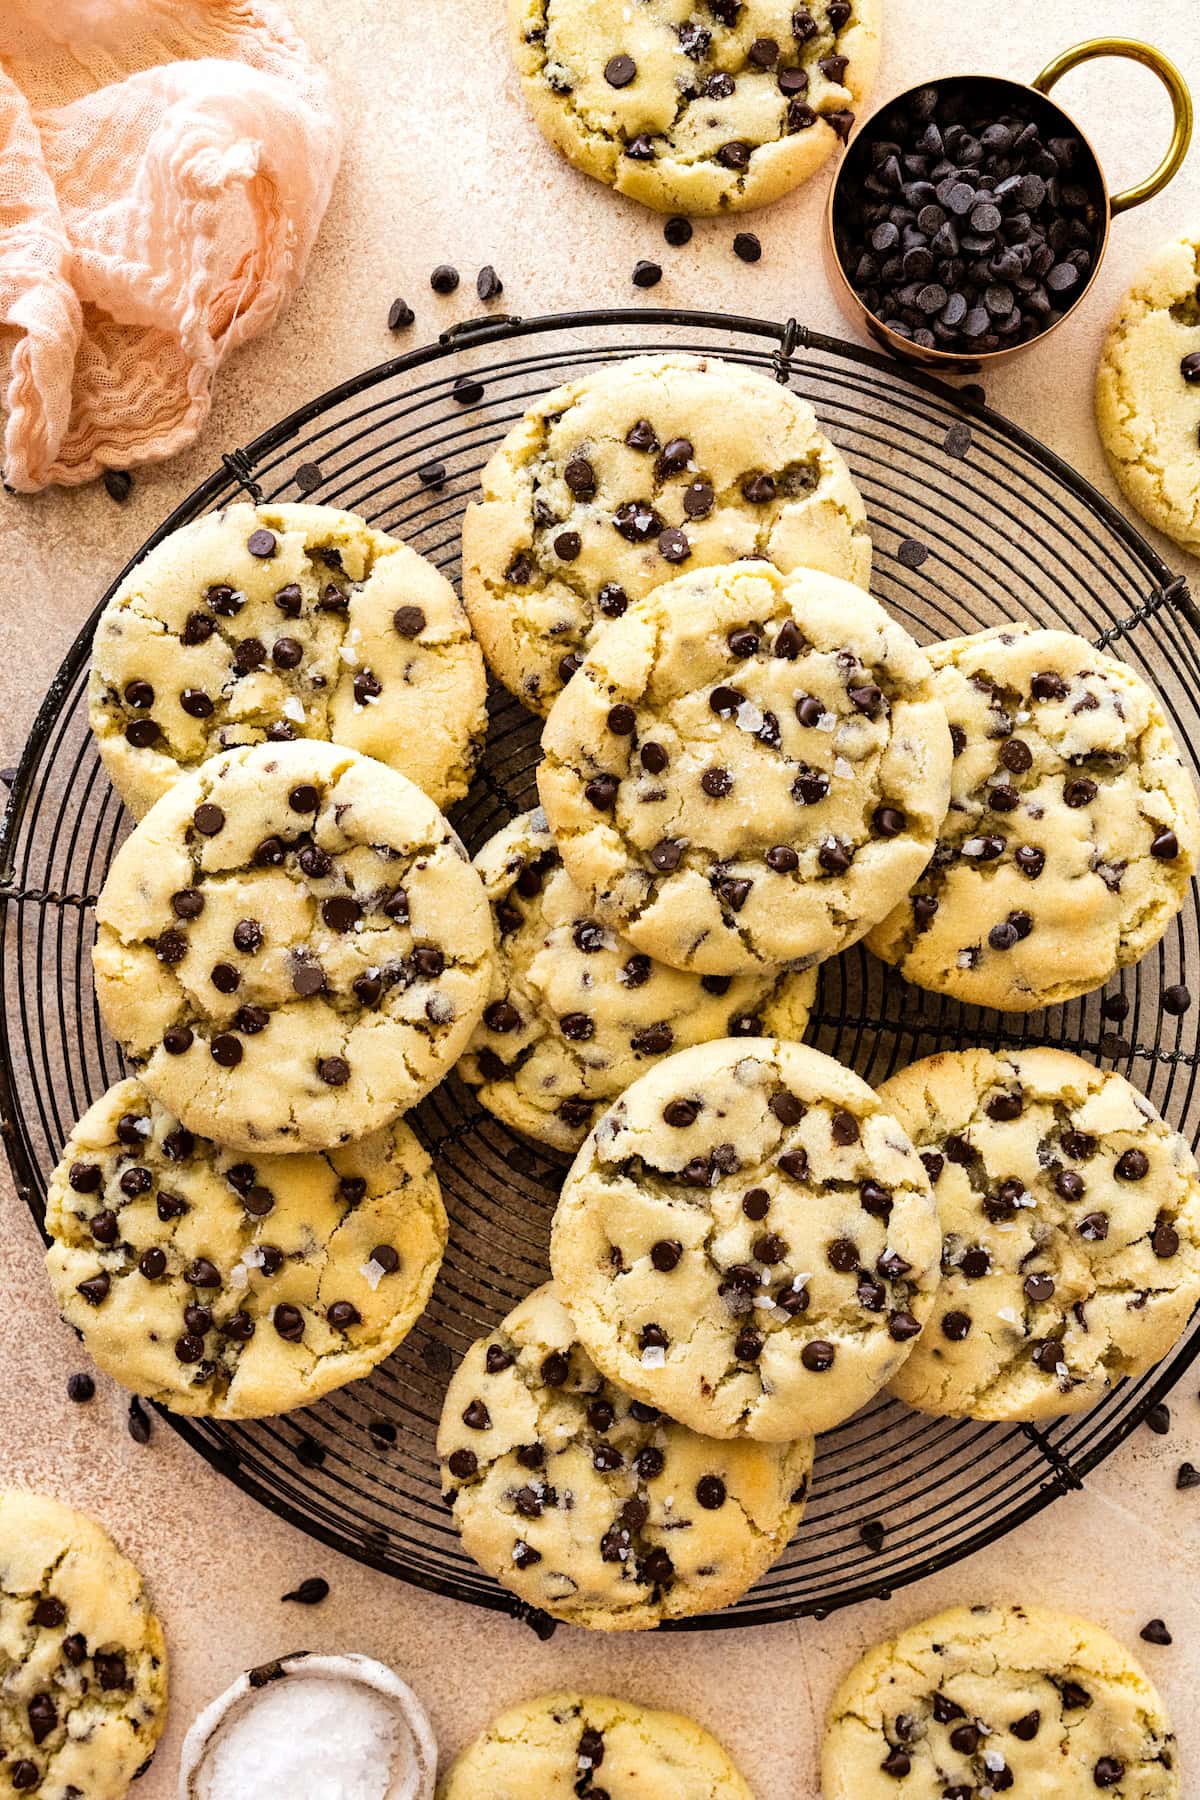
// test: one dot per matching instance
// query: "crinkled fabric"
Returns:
(164, 169)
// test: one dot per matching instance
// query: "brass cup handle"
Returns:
(1172, 80)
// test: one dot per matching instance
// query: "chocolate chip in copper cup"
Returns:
(968, 216)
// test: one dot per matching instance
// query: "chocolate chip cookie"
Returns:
(1148, 392)
(748, 770)
(265, 624)
(292, 947)
(230, 1286)
(610, 484)
(1073, 827)
(997, 1699)
(594, 1507)
(561, 1745)
(576, 1013)
(1070, 1217)
(701, 108)
(748, 1241)
(82, 1658)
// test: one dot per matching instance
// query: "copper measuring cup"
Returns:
(997, 95)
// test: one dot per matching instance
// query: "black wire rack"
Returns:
(973, 523)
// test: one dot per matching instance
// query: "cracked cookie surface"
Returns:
(986, 1700)
(1070, 1215)
(609, 484)
(748, 770)
(562, 1745)
(292, 947)
(83, 1665)
(696, 106)
(1148, 393)
(592, 1506)
(575, 1013)
(270, 623)
(232, 1287)
(1073, 827)
(748, 1241)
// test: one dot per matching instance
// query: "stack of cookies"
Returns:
(747, 765)
(292, 949)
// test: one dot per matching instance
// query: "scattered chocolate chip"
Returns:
(444, 279)
(310, 1592)
(646, 274)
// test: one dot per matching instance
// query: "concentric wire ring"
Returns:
(1004, 529)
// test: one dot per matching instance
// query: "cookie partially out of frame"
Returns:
(576, 1013)
(1070, 1215)
(988, 1700)
(269, 623)
(613, 482)
(236, 1286)
(748, 1241)
(292, 947)
(592, 1506)
(561, 1746)
(82, 1657)
(696, 108)
(1148, 392)
(1073, 829)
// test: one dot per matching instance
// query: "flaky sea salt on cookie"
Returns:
(989, 1700)
(748, 1241)
(1070, 1216)
(292, 947)
(594, 1507)
(749, 769)
(614, 481)
(576, 1013)
(270, 623)
(1073, 831)
(232, 1286)
(696, 109)
(82, 1655)
(564, 1745)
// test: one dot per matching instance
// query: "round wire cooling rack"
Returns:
(973, 523)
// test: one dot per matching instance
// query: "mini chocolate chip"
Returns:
(226, 1051)
(1132, 1165)
(310, 1592)
(334, 1070)
(956, 1326)
(818, 1356)
(1165, 846)
(1039, 1287)
(208, 820)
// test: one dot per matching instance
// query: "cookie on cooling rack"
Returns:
(1148, 392)
(1070, 1217)
(748, 1240)
(988, 1699)
(237, 1286)
(1073, 827)
(561, 1745)
(576, 1013)
(748, 770)
(85, 1665)
(270, 623)
(292, 948)
(594, 1507)
(612, 482)
(700, 109)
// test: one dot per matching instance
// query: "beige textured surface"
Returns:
(472, 181)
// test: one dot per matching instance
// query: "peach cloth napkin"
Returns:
(164, 167)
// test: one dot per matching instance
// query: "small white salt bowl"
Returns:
(315, 1728)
